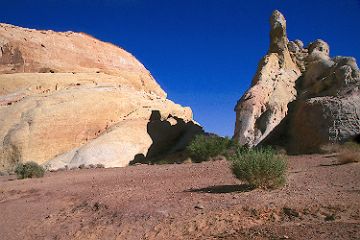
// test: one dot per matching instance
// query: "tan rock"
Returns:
(29, 51)
(77, 115)
(300, 98)
(264, 105)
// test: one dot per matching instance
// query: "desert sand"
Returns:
(321, 200)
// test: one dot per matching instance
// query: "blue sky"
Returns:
(203, 53)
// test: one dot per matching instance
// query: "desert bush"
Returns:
(203, 147)
(262, 168)
(29, 170)
(99, 165)
(349, 153)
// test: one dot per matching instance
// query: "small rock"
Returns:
(187, 161)
(199, 206)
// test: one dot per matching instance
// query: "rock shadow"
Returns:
(333, 164)
(169, 136)
(357, 139)
(218, 189)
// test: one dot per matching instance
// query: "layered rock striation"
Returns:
(300, 97)
(70, 99)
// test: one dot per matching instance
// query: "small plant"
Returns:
(261, 168)
(29, 170)
(349, 153)
(203, 147)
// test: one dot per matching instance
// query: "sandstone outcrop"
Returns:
(300, 98)
(264, 105)
(32, 51)
(70, 99)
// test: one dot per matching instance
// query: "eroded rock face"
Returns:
(264, 105)
(322, 103)
(31, 51)
(70, 99)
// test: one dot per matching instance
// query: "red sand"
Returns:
(187, 201)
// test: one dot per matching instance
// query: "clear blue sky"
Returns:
(203, 53)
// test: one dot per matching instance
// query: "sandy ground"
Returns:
(186, 201)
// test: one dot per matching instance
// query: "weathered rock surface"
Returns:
(322, 103)
(264, 105)
(70, 99)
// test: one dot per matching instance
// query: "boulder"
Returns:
(70, 99)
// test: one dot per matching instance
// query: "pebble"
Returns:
(199, 207)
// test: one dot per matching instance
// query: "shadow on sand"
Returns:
(224, 189)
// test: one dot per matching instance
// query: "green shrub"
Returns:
(203, 147)
(261, 168)
(29, 170)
